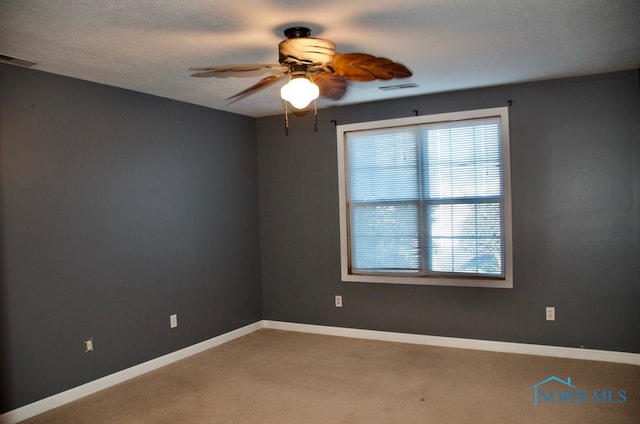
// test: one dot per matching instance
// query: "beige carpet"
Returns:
(285, 377)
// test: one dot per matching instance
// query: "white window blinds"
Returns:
(384, 187)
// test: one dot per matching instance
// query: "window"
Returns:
(426, 200)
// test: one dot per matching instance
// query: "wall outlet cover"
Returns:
(551, 313)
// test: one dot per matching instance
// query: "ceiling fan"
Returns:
(314, 69)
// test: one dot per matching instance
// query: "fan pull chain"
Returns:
(315, 115)
(286, 119)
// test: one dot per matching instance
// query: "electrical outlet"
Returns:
(88, 345)
(338, 301)
(173, 320)
(551, 313)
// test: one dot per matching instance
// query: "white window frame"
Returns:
(472, 281)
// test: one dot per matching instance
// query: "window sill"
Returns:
(495, 283)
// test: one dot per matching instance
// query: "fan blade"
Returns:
(331, 86)
(213, 71)
(264, 82)
(241, 67)
(206, 74)
(365, 67)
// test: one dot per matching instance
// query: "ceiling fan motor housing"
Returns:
(300, 49)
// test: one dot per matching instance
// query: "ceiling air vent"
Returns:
(398, 86)
(16, 61)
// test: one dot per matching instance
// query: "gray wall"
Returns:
(118, 209)
(575, 147)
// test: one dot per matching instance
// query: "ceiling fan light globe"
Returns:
(299, 92)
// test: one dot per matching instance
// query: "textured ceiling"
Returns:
(148, 45)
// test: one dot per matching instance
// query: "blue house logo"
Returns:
(538, 393)
(571, 394)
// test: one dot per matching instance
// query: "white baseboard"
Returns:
(76, 393)
(492, 346)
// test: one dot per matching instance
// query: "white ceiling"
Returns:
(148, 45)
